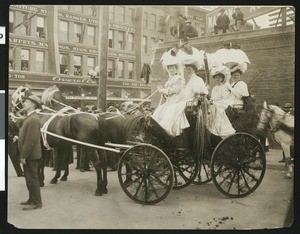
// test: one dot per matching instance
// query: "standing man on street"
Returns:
(31, 151)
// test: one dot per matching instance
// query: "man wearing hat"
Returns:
(222, 22)
(190, 30)
(238, 17)
(30, 151)
(288, 108)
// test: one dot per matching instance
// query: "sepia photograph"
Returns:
(161, 117)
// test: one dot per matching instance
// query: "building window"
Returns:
(25, 27)
(64, 7)
(63, 27)
(90, 64)
(77, 65)
(121, 16)
(144, 44)
(78, 33)
(121, 69)
(111, 13)
(11, 21)
(121, 40)
(11, 59)
(24, 60)
(130, 41)
(110, 38)
(131, 16)
(152, 21)
(64, 64)
(153, 41)
(145, 19)
(78, 9)
(91, 35)
(110, 68)
(161, 22)
(130, 70)
(40, 27)
(92, 10)
(39, 66)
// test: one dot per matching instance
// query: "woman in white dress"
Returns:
(165, 113)
(238, 89)
(217, 121)
(171, 115)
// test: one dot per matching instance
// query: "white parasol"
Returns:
(229, 57)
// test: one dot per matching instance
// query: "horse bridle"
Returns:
(268, 117)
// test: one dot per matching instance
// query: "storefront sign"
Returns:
(29, 8)
(80, 98)
(49, 78)
(122, 27)
(128, 84)
(20, 41)
(77, 18)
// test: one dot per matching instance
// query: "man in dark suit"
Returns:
(31, 151)
(222, 22)
(12, 142)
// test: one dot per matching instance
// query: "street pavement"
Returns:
(72, 204)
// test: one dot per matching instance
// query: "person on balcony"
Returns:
(222, 22)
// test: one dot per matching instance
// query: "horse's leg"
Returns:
(288, 163)
(103, 159)
(58, 155)
(97, 163)
(67, 155)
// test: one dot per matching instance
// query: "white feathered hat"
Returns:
(221, 69)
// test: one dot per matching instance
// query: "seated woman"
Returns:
(238, 89)
(172, 116)
(241, 111)
(165, 113)
(217, 121)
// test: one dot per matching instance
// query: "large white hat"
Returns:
(219, 69)
(168, 59)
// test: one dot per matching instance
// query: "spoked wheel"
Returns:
(185, 168)
(145, 174)
(238, 165)
(204, 173)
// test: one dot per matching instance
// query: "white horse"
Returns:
(282, 126)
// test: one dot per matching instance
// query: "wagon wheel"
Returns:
(204, 173)
(185, 167)
(238, 165)
(145, 174)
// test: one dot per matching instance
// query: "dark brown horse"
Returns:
(62, 120)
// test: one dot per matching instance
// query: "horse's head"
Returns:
(18, 100)
(266, 115)
(52, 97)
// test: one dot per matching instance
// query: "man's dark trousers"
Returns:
(32, 181)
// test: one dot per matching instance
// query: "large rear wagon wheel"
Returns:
(145, 174)
(238, 165)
